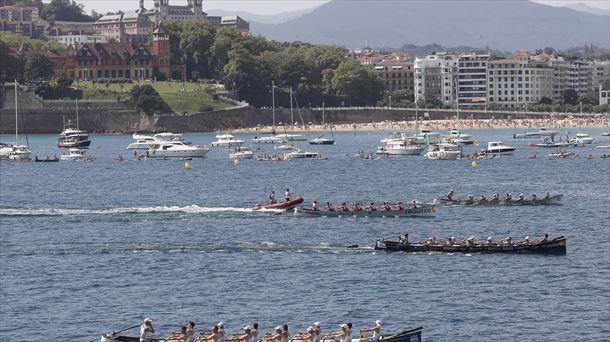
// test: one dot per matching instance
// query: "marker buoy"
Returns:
(474, 164)
(236, 162)
(187, 166)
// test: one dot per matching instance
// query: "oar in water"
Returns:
(120, 331)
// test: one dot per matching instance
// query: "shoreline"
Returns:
(436, 125)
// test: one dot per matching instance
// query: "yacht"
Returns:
(284, 147)
(241, 153)
(584, 138)
(444, 151)
(272, 139)
(292, 137)
(300, 153)
(20, 153)
(5, 150)
(460, 138)
(76, 154)
(542, 132)
(226, 140)
(16, 152)
(498, 147)
(402, 147)
(144, 142)
(322, 140)
(176, 149)
(73, 138)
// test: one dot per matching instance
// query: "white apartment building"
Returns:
(77, 39)
(604, 96)
(517, 82)
(472, 80)
(435, 77)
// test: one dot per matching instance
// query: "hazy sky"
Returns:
(265, 7)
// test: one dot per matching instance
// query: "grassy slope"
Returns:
(185, 97)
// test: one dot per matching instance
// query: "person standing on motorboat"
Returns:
(272, 197)
(314, 205)
(288, 195)
(147, 331)
(376, 330)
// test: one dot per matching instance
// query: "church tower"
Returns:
(162, 8)
(161, 49)
(197, 6)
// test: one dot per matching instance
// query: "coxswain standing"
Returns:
(450, 195)
(376, 330)
(147, 331)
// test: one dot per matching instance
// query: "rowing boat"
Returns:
(421, 210)
(286, 205)
(555, 246)
(555, 199)
(411, 335)
(120, 338)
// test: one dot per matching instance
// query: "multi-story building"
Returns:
(472, 80)
(519, 81)
(22, 20)
(435, 78)
(604, 96)
(91, 61)
(396, 74)
(600, 72)
(78, 39)
(124, 27)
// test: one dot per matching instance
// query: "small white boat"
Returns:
(227, 140)
(300, 153)
(284, 147)
(460, 138)
(76, 154)
(498, 147)
(292, 137)
(548, 142)
(273, 139)
(20, 153)
(176, 149)
(241, 153)
(606, 134)
(5, 150)
(584, 138)
(444, 151)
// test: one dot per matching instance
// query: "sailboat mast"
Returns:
(416, 118)
(291, 112)
(77, 125)
(16, 122)
(322, 113)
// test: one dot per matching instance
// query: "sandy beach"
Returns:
(441, 125)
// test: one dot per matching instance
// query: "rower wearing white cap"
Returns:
(376, 330)
(307, 335)
(340, 335)
(317, 331)
(147, 331)
(221, 332)
(246, 336)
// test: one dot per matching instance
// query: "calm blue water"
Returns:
(90, 247)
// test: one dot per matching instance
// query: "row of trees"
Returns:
(57, 10)
(31, 65)
(248, 64)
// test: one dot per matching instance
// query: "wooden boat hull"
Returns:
(287, 205)
(556, 246)
(425, 210)
(552, 200)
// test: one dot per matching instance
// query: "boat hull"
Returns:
(556, 246)
(552, 200)
(120, 338)
(422, 211)
(199, 153)
(286, 205)
(322, 142)
(510, 150)
(241, 155)
(227, 144)
(74, 144)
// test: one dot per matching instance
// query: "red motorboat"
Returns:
(287, 205)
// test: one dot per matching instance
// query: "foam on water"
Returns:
(192, 209)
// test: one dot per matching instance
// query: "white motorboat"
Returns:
(272, 139)
(549, 142)
(176, 149)
(5, 150)
(584, 138)
(606, 134)
(301, 153)
(444, 151)
(72, 137)
(498, 147)
(292, 137)
(20, 153)
(284, 147)
(460, 138)
(144, 142)
(76, 154)
(542, 132)
(402, 147)
(226, 140)
(241, 153)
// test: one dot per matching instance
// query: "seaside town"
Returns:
(323, 171)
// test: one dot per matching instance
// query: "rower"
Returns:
(414, 204)
(521, 198)
(340, 335)
(314, 205)
(272, 197)
(489, 242)
(372, 207)
(547, 196)
(213, 337)
(254, 337)
(400, 206)
(288, 195)
(403, 239)
(285, 334)
(544, 239)
(509, 198)
(178, 336)
(450, 195)
(376, 330)
(190, 335)
(307, 335)
(386, 206)
(470, 199)
(277, 336)
(495, 198)
(317, 331)
(221, 332)
(344, 207)
(483, 199)
(246, 336)
(329, 206)
(534, 197)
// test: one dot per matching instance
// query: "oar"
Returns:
(116, 332)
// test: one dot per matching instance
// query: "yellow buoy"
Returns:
(286, 157)
(187, 166)
(236, 162)
(474, 164)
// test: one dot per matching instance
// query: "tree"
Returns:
(37, 66)
(546, 100)
(148, 100)
(64, 10)
(569, 96)
(196, 40)
(358, 84)
(7, 64)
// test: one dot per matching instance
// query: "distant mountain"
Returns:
(265, 19)
(587, 9)
(504, 25)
